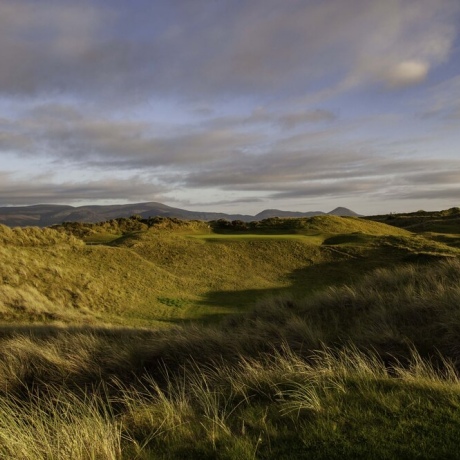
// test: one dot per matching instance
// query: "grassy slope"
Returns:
(290, 378)
(440, 226)
(257, 386)
(179, 271)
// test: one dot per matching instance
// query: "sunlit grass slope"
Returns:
(365, 370)
(175, 270)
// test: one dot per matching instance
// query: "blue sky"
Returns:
(231, 105)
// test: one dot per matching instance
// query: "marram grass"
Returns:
(345, 404)
(368, 370)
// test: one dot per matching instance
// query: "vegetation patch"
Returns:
(337, 348)
(178, 303)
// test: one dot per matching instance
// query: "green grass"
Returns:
(254, 236)
(101, 238)
(368, 369)
(297, 338)
(48, 276)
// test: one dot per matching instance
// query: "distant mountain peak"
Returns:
(341, 211)
(267, 213)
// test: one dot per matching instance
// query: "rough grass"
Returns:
(335, 405)
(180, 271)
(446, 221)
(366, 370)
(361, 360)
(389, 311)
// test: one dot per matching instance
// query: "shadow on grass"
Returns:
(306, 281)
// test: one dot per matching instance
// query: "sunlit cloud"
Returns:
(406, 73)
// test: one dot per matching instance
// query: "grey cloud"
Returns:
(436, 177)
(63, 133)
(295, 119)
(41, 47)
(450, 193)
(251, 172)
(334, 172)
(226, 158)
(338, 188)
(42, 189)
(284, 121)
(215, 48)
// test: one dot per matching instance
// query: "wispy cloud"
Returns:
(49, 189)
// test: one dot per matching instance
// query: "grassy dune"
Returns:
(343, 343)
(367, 370)
(176, 271)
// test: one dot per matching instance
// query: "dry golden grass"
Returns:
(172, 272)
(326, 377)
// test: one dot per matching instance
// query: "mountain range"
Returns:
(44, 215)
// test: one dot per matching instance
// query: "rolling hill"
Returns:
(344, 332)
(178, 270)
(45, 215)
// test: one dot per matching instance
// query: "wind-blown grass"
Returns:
(368, 370)
(333, 405)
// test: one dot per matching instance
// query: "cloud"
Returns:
(406, 73)
(215, 50)
(442, 100)
(432, 193)
(64, 134)
(446, 177)
(45, 189)
(292, 120)
(223, 156)
(282, 99)
(343, 188)
(42, 45)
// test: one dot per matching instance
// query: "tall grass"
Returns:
(360, 371)
(58, 426)
(390, 311)
(34, 236)
(279, 405)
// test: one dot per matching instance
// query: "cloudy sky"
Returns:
(231, 105)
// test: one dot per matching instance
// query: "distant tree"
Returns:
(239, 225)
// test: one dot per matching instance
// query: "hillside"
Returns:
(46, 215)
(143, 272)
(328, 377)
(440, 226)
(446, 221)
(281, 338)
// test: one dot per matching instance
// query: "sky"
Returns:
(231, 105)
